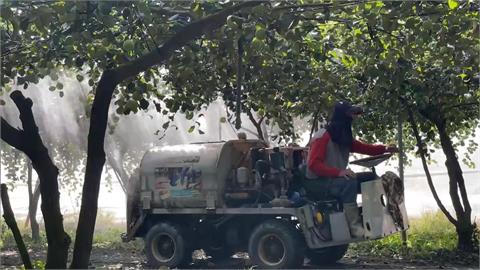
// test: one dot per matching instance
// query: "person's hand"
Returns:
(347, 173)
(392, 149)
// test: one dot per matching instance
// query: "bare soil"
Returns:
(125, 258)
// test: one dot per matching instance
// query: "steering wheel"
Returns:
(371, 161)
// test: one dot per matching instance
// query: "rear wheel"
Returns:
(326, 255)
(165, 245)
(276, 244)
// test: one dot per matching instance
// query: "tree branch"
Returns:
(12, 224)
(462, 105)
(181, 38)
(257, 124)
(11, 135)
(99, 116)
(314, 125)
(170, 12)
(316, 6)
(32, 145)
(24, 105)
(238, 90)
(414, 127)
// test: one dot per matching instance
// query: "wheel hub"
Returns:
(271, 249)
(164, 247)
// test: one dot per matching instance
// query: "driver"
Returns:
(327, 171)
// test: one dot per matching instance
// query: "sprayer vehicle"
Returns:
(239, 195)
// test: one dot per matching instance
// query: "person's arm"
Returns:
(316, 161)
(367, 149)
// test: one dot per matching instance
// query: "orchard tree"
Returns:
(415, 61)
(98, 38)
(410, 61)
(420, 60)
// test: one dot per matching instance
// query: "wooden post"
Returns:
(400, 166)
(12, 224)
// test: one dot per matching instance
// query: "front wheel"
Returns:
(327, 255)
(276, 244)
(165, 245)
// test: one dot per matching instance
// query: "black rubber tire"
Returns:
(328, 255)
(283, 235)
(170, 234)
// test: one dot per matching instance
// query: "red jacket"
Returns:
(318, 152)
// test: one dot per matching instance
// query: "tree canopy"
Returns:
(414, 61)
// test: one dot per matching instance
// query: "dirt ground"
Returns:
(108, 258)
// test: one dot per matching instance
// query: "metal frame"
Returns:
(304, 216)
(227, 211)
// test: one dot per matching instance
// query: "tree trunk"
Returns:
(12, 224)
(29, 141)
(238, 91)
(314, 126)
(93, 171)
(32, 205)
(465, 228)
(257, 124)
(99, 115)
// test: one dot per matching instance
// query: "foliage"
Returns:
(82, 39)
(298, 61)
(279, 75)
(89, 37)
(15, 164)
(427, 58)
(39, 264)
(396, 58)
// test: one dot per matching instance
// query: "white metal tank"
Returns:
(191, 175)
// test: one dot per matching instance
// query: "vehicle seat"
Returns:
(324, 197)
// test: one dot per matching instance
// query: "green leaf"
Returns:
(2, 102)
(452, 4)
(132, 105)
(165, 125)
(59, 85)
(191, 129)
(52, 88)
(223, 120)
(128, 45)
(357, 32)
(53, 75)
(197, 9)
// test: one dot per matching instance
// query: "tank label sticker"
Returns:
(178, 182)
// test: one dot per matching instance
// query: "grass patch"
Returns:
(107, 233)
(430, 237)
